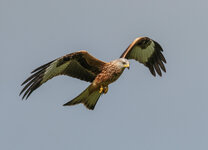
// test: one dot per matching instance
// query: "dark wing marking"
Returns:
(147, 52)
(79, 65)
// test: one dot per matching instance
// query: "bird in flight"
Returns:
(100, 74)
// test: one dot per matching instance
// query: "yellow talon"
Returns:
(105, 90)
(101, 89)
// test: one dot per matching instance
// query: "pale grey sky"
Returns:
(139, 111)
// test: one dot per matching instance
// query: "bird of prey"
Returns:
(85, 67)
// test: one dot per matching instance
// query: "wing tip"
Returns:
(155, 62)
(33, 81)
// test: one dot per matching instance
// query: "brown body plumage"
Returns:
(109, 74)
(85, 67)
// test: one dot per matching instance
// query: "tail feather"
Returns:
(92, 99)
(79, 98)
(88, 97)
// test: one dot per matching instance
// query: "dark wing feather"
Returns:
(79, 65)
(147, 52)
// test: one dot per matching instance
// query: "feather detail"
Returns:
(79, 65)
(88, 97)
(147, 52)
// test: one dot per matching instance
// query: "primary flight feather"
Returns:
(85, 67)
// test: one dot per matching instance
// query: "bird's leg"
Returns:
(105, 90)
(101, 89)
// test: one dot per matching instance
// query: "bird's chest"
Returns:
(109, 75)
(115, 76)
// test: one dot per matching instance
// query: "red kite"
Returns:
(85, 67)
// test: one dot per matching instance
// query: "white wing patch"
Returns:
(53, 70)
(142, 55)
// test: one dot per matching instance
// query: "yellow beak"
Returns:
(127, 66)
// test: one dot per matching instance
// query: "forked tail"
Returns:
(88, 97)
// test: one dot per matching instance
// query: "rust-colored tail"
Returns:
(88, 97)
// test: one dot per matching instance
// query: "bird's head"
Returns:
(122, 63)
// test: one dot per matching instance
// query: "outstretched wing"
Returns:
(79, 65)
(147, 52)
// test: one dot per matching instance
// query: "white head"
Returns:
(121, 63)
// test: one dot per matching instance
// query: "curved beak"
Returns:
(127, 66)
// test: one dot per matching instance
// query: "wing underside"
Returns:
(147, 52)
(80, 65)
